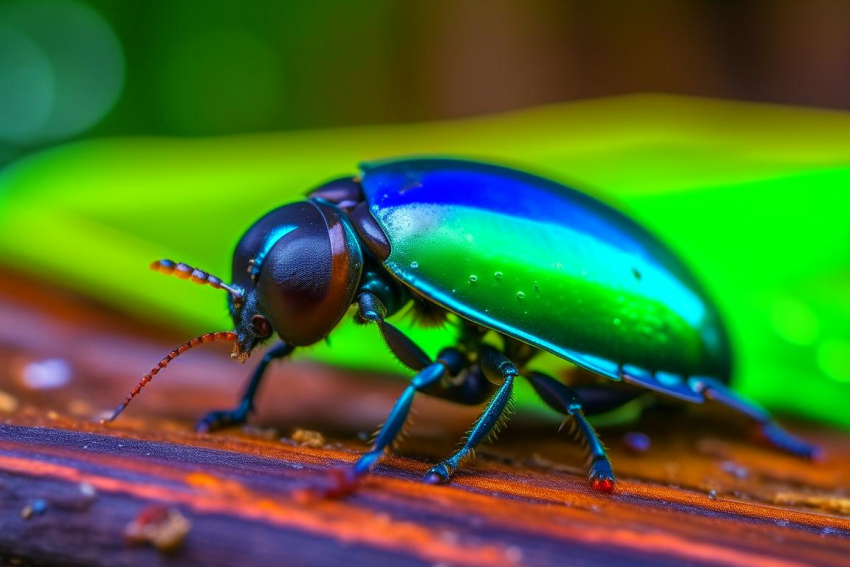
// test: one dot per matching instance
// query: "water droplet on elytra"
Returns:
(498, 275)
(414, 264)
(473, 278)
(520, 295)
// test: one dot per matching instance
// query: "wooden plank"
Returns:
(703, 494)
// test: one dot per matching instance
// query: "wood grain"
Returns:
(703, 494)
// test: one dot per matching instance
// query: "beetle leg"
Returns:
(501, 371)
(449, 363)
(564, 400)
(772, 432)
(404, 349)
(222, 418)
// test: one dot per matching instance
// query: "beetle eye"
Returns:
(261, 326)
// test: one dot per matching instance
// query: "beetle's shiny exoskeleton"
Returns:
(544, 267)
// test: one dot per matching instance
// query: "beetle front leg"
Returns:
(772, 432)
(501, 371)
(372, 310)
(564, 400)
(449, 363)
(238, 415)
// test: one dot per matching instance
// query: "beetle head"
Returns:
(295, 272)
(297, 268)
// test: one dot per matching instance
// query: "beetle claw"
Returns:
(602, 475)
(433, 478)
(438, 474)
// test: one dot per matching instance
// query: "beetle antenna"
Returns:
(205, 338)
(187, 272)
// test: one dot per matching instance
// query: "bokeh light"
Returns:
(61, 70)
(26, 87)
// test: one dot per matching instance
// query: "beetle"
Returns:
(536, 264)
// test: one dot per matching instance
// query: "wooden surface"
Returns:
(703, 494)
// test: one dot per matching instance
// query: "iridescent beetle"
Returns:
(544, 267)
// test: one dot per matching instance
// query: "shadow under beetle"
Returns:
(547, 268)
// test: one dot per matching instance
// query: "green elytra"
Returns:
(549, 266)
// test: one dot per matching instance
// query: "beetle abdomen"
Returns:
(549, 266)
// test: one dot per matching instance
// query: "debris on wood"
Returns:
(35, 508)
(307, 438)
(163, 527)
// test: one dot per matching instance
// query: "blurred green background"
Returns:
(131, 131)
